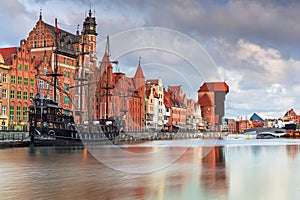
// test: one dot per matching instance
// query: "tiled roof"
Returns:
(215, 86)
(205, 101)
(175, 89)
(65, 37)
(139, 73)
(7, 54)
(155, 95)
(153, 81)
(167, 99)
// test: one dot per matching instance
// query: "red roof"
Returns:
(215, 86)
(155, 95)
(139, 73)
(7, 52)
(175, 89)
(152, 82)
(167, 99)
(205, 101)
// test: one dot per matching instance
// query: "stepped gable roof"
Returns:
(167, 99)
(66, 40)
(175, 89)
(152, 81)
(139, 73)
(290, 112)
(7, 54)
(147, 90)
(155, 95)
(205, 101)
(214, 86)
(255, 117)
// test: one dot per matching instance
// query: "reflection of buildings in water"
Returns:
(213, 172)
(292, 151)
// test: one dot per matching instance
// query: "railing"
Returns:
(13, 135)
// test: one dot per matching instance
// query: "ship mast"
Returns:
(55, 72)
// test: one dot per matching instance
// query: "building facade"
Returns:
(211, 97)
(5, 68)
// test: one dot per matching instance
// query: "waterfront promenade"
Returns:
(21, 138)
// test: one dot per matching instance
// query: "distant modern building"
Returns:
(211, 97)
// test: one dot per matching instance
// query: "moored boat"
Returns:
(49, 126)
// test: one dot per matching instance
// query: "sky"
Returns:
(252, 45)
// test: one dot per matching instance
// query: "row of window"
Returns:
(20, 80)
(19, 95)
(18, 110)
(25, 67)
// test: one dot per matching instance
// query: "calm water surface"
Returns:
(232, 170)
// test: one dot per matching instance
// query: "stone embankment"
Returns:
(146, 136)
(14, 138)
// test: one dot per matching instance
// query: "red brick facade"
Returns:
(120, 96)
(211, 97)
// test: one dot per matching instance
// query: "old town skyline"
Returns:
(259, 54)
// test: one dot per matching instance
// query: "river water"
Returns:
(190, 169)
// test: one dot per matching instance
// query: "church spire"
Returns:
(40, 14)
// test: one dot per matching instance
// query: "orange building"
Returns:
(211, 97)
(5, 68)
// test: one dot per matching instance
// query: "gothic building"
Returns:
(69, 58)
(118, 96)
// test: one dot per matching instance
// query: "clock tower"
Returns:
(89, 31)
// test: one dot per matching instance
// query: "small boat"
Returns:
(270, 135)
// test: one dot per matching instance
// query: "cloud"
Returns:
(260, 79)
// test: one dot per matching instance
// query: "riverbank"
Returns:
(14, 139)
(21, 139)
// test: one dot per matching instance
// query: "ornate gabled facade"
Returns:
(155, 104)
(211, 97)
(69, 58)
(291, 116)
(167, 111)
(5, 68)
(22, 86)
(179, 109)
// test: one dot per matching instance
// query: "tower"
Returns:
(211, 97)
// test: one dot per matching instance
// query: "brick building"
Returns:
(73, 54)
(118, 96)
(5, 68)
(22, 84)
(179, 109)
(211, 97)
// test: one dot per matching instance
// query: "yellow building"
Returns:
(4, 92)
